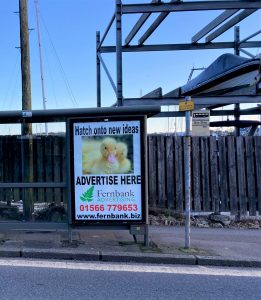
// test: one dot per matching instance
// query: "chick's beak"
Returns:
(112, 158)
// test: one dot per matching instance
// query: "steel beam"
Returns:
(189, 6)
(108, 74)
(153, 26)
(213, 24)
(237, 52)
(136, 28)
(98, 71)
(138, 25)
(61, 115)
(250, 37)
(119, 52)
(241, 16)
(33, 185)
(106, 32)
(206, 101)
(213, 113)
(247, 53)
(177, 47)
(236, 40)
(157, 93)
(253, 109)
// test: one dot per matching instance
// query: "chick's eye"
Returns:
(105, 148)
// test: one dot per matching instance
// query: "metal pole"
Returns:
(237, 52)
(146, 235)
(98, 70)
(68, 180)
(119, 51)
(187, 180)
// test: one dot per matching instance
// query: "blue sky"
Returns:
(68, 30)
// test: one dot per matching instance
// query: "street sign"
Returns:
(200, 123)
(186, 105)
(108, 170)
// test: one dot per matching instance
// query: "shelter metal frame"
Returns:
(234, 11)
(62, 115)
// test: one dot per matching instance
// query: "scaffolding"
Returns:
(232, 13)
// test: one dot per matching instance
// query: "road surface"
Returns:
(38, 279)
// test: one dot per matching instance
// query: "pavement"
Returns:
(209, 246)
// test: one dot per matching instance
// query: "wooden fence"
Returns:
(226, 172)
(49, 165)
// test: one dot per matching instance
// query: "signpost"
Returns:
(187, 106)
(108, 171)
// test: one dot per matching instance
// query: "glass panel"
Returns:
(10, 209)
(33, 159)
(11, 204)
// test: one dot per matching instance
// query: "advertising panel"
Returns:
(107, 170)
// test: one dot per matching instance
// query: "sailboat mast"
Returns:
(41, 60)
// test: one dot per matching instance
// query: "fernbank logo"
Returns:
(88, 195)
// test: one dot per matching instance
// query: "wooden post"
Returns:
(27, 144)
(25, 63)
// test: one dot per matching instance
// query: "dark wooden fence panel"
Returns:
(223, 178)
(169, 184)
(17, 166)
(152, 176)
(225, 172)
(241, 175)
(1, 168)
(57, 156)
(40, 167)
(251, 185)
(48, 165)
(257, 143)
(179, 182)
(161, 178)
(63, 168)
(214, 188)
(196, 177)
(205, 173)
(232, 175)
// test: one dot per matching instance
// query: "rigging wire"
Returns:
(51, 77)
(41, 61)
(66, 81)
(13, 75)
(15, 88)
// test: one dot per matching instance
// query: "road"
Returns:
(36, 279)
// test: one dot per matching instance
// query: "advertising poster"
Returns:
(107, 171)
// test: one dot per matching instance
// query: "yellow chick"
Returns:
(107, 163)
(121, 155)
(90, 154)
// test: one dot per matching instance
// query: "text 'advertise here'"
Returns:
(107, 170)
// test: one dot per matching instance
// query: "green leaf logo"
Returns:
(88, 195)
